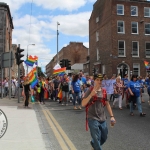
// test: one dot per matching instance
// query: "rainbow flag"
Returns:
(31, 60)
(146, 64)
(32, 78)
(59, 71)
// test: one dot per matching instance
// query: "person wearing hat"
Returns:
(94, 100)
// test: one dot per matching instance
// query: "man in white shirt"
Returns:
(6, 85)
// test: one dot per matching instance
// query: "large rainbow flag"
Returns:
(31, 60)
(33, 78)
(59, 71)
(146, 64)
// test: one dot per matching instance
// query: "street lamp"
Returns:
(27, 54)
(57, 41)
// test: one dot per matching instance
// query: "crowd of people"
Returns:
(89, 92)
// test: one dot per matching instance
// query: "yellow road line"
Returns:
(67, 140)
(56, 133)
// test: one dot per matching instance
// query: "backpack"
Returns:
(103, 101)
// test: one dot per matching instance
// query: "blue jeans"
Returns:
(99, 133)
(78, 96)
(138, 101)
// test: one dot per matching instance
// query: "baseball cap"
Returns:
(98, 76)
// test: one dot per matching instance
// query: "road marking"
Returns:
(56, 133)
(67, 140)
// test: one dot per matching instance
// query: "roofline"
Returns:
(9, 13)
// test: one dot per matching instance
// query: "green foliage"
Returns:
(40, 73)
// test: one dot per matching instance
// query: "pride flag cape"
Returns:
(146, 64)
(33, 78)
(59, 71)
(31, 60)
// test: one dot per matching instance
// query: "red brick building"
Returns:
(6, 27)
(76, 52)
(119, 37)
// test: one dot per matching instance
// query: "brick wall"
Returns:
(76, 52)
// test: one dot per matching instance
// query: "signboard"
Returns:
(6, 63)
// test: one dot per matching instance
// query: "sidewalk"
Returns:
(23, 132)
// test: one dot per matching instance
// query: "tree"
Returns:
(40, 72)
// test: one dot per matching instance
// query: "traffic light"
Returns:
(19, 56)
(62, 63)
(68, 65)
(94, 70)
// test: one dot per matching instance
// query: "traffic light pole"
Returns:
(10, 82)
(19, 84)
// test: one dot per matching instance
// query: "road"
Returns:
(129, 133)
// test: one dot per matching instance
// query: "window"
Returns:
(147, 28)
(146, 12)
(121, 48)
(97, 19)
(136, 69)
(97, 54)
(134, 26)
(134, 11)
(120, 9)
(97, 36)
(120, 27)
(147, 49)
(135, 49)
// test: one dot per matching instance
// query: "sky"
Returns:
(39, 25)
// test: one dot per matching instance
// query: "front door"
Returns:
(123, 69)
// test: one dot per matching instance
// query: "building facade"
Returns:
(6, 27)
(76, 52)
(119, 37)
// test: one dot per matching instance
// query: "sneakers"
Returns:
(80, 107)
(62, 104)
(142, 114)
(67, 104)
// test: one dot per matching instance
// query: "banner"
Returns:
(109, 85)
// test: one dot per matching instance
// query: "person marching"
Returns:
(118, 90)
(95, 99)
(76, 91)
(134, 88)
(26, 90)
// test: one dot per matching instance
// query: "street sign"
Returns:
(7, 59)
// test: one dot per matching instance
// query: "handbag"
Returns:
(132, 99)
(116, 95)
(32, 99)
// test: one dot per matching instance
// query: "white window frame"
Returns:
(138, 66)
(149, 12)
(147, 49)
(122, 8)
(123, 26)
(97, 54)
(97, 36)
(97, 19)
(137, 28)
(145, 28)
(124, 49)
(137, 48)
(136, 10)
(103, 69)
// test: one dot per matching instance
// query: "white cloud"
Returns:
(68, 5)
(72, 24)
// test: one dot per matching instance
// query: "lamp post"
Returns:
(57, 41)
(27, 54)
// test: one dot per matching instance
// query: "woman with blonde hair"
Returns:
(118, 91)
(26, 89)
